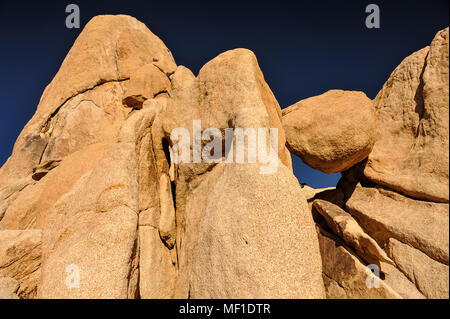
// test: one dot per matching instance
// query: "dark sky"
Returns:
(303, 49)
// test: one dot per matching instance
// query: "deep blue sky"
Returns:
(303, 49)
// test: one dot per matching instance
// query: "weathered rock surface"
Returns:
(20, 258)
(331, 132)
(310, 192)
(398, 197)
(32, 205)
(347, 228)
(8, 288)
(385, 214)
(93, 203)
(430, 277)
(116, 220)
(103, 57)
(157, 266)
(95, 225)
(229, 92)
(74, 175)
(337, 227)
(146, 83)
(345, 270)
(238, 251)
(411, 154)
(394, 278)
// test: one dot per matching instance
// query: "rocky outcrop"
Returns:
(394, 214)
(146, 83)
(229, 93)
(93, 171)
(247, 216)
(20, 259)
(77, 111)
(8, 288)
(32, 205)
(346, 227)
(331, 132)
(430, 276)
(386, 214)
(345, 275)
(103, 198)
(412, 149)
(104, 56)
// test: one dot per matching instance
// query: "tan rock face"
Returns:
(411, 154)
(95, 225)
(346, 227)
(430, 276)
(76, 169)
(331, 132)
(343, 268)
(157, 266)
(104, 56)
(410, 158)
(310, 192)
(238, 252)
(8, 288)
(144, 84)
(33, 204)
(385, 214)
(93, 205)
(78, 111)
(229, 92)
(20, 258)
(345, 271)
(394, 278)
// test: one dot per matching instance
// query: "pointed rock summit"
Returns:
(91, 193)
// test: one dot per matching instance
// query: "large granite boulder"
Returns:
(331, 132)
(411, 154)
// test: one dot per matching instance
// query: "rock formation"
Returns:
(95, 203)
(395, 212)
(412, 151)
(20, 259)
(8, 288)
(331, 132)
(92, 175)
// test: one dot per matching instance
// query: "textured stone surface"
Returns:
(346, 227)
(256, 239)
(74, 176)
(20, 258)
(310, 192)
(331, 132)
(146, 83)
(104, 56)
(158, 266)
(94, 226)
(385, 214)
(229, 92)
(8, 288)
(32, 205)
(411, 154)
(332, 289)
(400, 283)
(430, 276)
(91, 185)
(345, 269)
